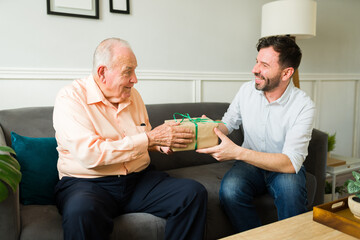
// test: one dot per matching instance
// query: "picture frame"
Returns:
(120, 6)
(78, 8)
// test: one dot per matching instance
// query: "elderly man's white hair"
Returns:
(104, 52)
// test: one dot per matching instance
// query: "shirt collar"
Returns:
(94, 93)
(286, 95)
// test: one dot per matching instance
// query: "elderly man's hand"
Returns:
(170, 135)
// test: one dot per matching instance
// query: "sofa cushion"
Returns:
(40, 222)
(38, 159)
(210, 175)
(44, 222)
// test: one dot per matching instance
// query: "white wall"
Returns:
(187, 35)
(188, 51)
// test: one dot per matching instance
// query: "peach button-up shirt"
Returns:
(94, 138)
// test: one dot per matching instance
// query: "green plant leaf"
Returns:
(347, 182)
(9, 175)
(7, 149)
(8, 180)
(357, 184)
(331, 142)
(9, 172)
(3, 191)
(356, 175)
(9, 159)
(328, 187)
(338, 189)
(352, 187)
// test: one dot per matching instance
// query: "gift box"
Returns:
(203, 129)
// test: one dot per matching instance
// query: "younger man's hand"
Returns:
(226, 150)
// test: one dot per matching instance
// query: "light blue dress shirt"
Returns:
(283, 126)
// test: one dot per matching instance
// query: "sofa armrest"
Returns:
(9, 209)
(315, 162)
(10, 216)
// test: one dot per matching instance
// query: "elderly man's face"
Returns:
(120, 77)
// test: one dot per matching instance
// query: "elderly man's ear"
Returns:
(101, 73)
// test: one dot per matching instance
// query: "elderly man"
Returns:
(277, 119)
(104, 135)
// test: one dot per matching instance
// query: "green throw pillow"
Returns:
(38, 160)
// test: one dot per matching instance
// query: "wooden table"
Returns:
(298, 227)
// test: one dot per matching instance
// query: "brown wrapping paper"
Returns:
(206, 136)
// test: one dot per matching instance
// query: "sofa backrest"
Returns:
(37, 122)
(31, 122)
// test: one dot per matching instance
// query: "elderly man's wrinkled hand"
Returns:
(170, 135)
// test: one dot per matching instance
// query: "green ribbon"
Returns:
(195, 121)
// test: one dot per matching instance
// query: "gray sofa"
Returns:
(38, 222)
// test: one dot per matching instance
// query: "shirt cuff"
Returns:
(141, 143)
(296, 159)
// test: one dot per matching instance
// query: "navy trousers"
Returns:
(88, 206)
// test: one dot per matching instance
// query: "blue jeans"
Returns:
(243, 182)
